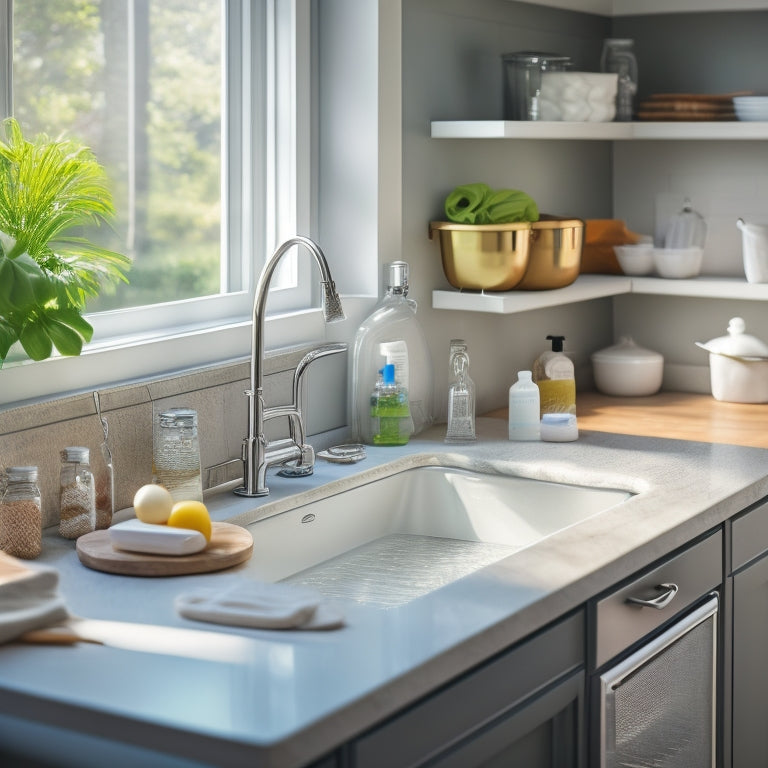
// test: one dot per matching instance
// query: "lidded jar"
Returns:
(176, 456)
(77, 493)
(21, 519)
(619, 56)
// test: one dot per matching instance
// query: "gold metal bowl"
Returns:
(483, 257)
(555, 257)
(502, 257)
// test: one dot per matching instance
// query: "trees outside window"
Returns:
(140, 82)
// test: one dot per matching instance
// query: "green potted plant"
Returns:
(49, 189)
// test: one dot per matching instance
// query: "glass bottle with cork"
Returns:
(77, 493)
(21, 519)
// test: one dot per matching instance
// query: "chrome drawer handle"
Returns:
(662, 601)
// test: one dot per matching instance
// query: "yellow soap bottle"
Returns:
(553, 372)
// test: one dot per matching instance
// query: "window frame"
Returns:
(152, 341)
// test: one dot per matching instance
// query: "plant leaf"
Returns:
(36, 341)
(64, 338)
(8, 337)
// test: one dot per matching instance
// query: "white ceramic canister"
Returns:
(738, 365)
(627, 370)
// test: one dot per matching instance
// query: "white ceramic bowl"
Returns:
(678, 262)
(751, 107)
(635, 259)
(627, 370)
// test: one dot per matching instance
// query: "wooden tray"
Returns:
(229, 545)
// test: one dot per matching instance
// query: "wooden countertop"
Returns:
(679, 415)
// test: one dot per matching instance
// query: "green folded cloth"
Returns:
(479, 204)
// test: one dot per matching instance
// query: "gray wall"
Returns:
(452, 71)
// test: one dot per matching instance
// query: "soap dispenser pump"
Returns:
(553, 372)
(391, 422)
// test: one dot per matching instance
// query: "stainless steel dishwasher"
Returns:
(655, 665)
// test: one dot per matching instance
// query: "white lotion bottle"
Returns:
(524, 419)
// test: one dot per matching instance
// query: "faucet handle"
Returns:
(305, 465)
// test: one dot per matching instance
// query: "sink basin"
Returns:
(401, 536)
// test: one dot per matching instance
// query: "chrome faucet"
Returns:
(257, 453)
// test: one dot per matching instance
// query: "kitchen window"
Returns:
(195, 109)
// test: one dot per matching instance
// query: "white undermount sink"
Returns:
(401, 536)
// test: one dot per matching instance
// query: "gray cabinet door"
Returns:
(541, 733)
(515, 705)
(750, 666)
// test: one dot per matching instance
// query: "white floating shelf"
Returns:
(585, 288)
(589, 287)
(732, 130)
(703, 287)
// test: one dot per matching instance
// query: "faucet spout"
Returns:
(255, 447)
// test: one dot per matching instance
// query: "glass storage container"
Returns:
(176, 456)
(21, 519)
(77, 493)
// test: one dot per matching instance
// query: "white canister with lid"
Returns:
(738, 365)
(627, 370)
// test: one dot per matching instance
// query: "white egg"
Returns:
(153, 504)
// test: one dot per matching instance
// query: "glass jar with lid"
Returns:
(522, 81)
(176, 455)
(619, 56)
(77, 493)
(21, 519)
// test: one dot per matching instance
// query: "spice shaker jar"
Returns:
(21, 519)
(176, 456)
(77, 493)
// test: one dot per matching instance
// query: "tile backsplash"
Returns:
(35, 434)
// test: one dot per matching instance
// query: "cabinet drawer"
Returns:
(749, 535)
(620, 623)
(454, 712)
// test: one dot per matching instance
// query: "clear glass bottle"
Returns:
(77, 493)
(391, 335)
(21, 518)
(619, 56)
(391, 422)
(176, 456)
(461, 396)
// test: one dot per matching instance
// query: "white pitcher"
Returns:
(754, 246)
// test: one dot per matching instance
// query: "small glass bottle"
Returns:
(176, 456)
(619, 56)
(77, 493)
(21, 519)
(461, 396)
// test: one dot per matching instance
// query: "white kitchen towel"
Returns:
(29, 598)
(259, 605)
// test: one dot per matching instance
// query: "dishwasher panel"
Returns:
(658, 706)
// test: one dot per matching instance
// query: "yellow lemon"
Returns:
(192, 515)
(153, 503)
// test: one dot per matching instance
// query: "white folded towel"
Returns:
(259, 605)
(28, 598)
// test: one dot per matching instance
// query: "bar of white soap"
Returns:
(152, 539)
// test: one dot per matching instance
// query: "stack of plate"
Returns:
(687, 106)
(751, 107)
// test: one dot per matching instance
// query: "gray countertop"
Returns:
(284, 698)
